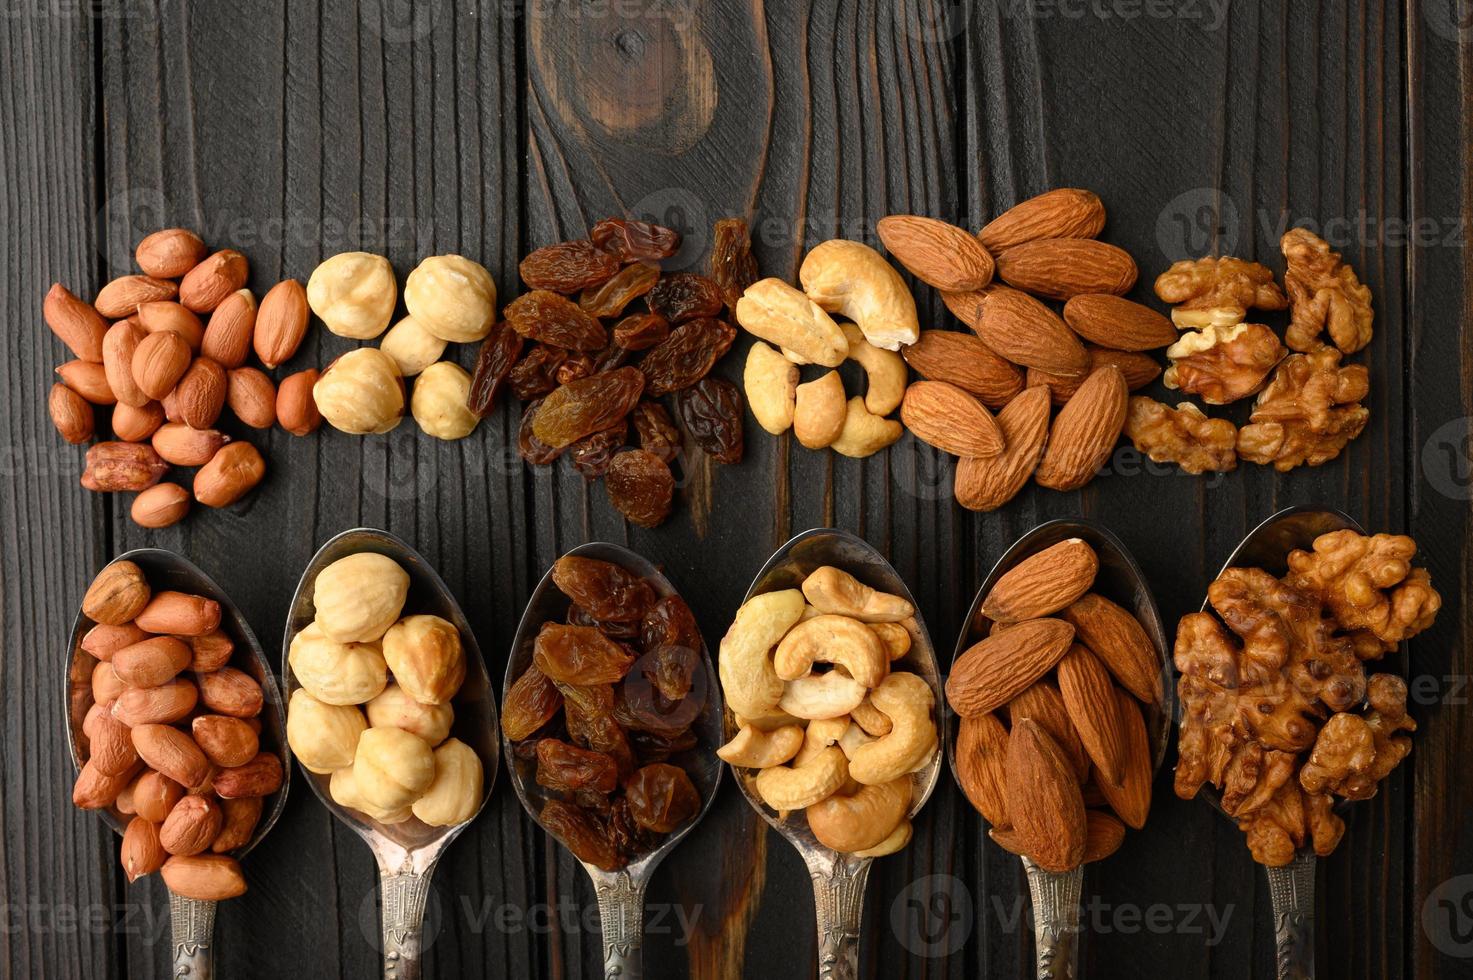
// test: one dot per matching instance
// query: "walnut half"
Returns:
(1368, 582)
(1222, 364)
(1183, 435)
(1323, 292)
(1308, 412)
(1217, 290)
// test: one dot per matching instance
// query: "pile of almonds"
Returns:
(144, 348)
(180, 756)
(1052, 748)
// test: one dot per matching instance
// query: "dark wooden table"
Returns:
(296, 130)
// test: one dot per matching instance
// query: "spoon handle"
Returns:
(838, 898)
(621, 919)
(192, 922)
(1291, 888)
(403, 895)
(1055, 920)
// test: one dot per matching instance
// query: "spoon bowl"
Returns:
(406, 852)
(192, 921)
(620, 893)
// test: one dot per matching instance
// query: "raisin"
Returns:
(711, 412)
(655, 431)
(629, 240)
(669, 622)
(686, 356)
(607, 592)
(568, 768)
(583, 834)
(631, 282)
(672, 670)
(532, 449)
(498, 355)
(628, 837)
(578, 616)
(575, 368)
(641, 331)
(685, 296)
(579, 655)
(733, 267)
(568, 267)
(640, 487)
(661, 797)
(591, 455)
(587, 406)
(590, 715)
(536, 374)
(611, 357)
(657, 746)
(531, 702)
(552, 319)
(640, 705)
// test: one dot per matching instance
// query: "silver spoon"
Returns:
(839, 879)
(407, 852)
(1056, 895)
(191, 920)
(1291, 887)
(620, 894)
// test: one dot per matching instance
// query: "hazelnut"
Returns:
(412, 347)
(425, 654)
(451, 297)
(396, 708)
(361, 392)
(359, 597)
(354, 294)
(439, 402)
(323, 736)
(343, 788)
(334, 672)
(392, 767)
(455, 794)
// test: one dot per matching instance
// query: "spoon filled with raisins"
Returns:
(610, 716)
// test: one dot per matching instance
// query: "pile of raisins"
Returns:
(568, 347)
(602, 718)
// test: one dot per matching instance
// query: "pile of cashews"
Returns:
(854, 281)
(842, 743)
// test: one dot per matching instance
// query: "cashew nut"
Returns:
(820, 735)
(884, 370)
(767, 721)
(793, 357)
(795, 787)
(906, 700)
(819, 412)
(870, 719)
(770, 381)
(861, 820)
(864, 432)
(854, 736)
(833, 590)
(898, 838)
(835, 640)
(781, 315)
(854, 280)
(751, 686)
(820, 696)
(895, 637)
(756, 749)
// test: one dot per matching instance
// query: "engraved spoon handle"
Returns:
(838, 898)
(1055, 920)
(621, 918)
(1292, 889)
(403, 896)
(192, 922)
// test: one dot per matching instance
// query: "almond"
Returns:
(162, 505)
(205, 877)
(192, 826)
(1085, 431)
(963, 360)
(1089, 697)
(226, 741)
(296, 410)
(950, 419)
(88, 380)
(214, 278)
(137, 424)
(966, 306)
(937, 253)
(164, 316)
(118, 594)
(1042, 702)
(1023, 330)
(97, 790)
(229, 691)
(1061, 268)
(1103, 835)
(260, 777)
(1131, 801)
(981, 766)
(160, 705)
(1009, 840)
(1114, 322)
(201, 393)
(281, 323)
(252, 397)
(1121, 643)
(229, 475)
(75, 323)
(104, 640)
(70, 413)
(241, 817)
(1042, 583)
(142, 852)
(118, 347)
(179, 613)
(1139, 370)
(169, 751)
(169, 253)
(991, 672)
(183, 445)
(121, 297)
(211, 651)
(986, 483)
(154, 795)
(159, 361)
(231, 328)
(1044, 799)
(110, 745)
(1065, 212)
(151, 662)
